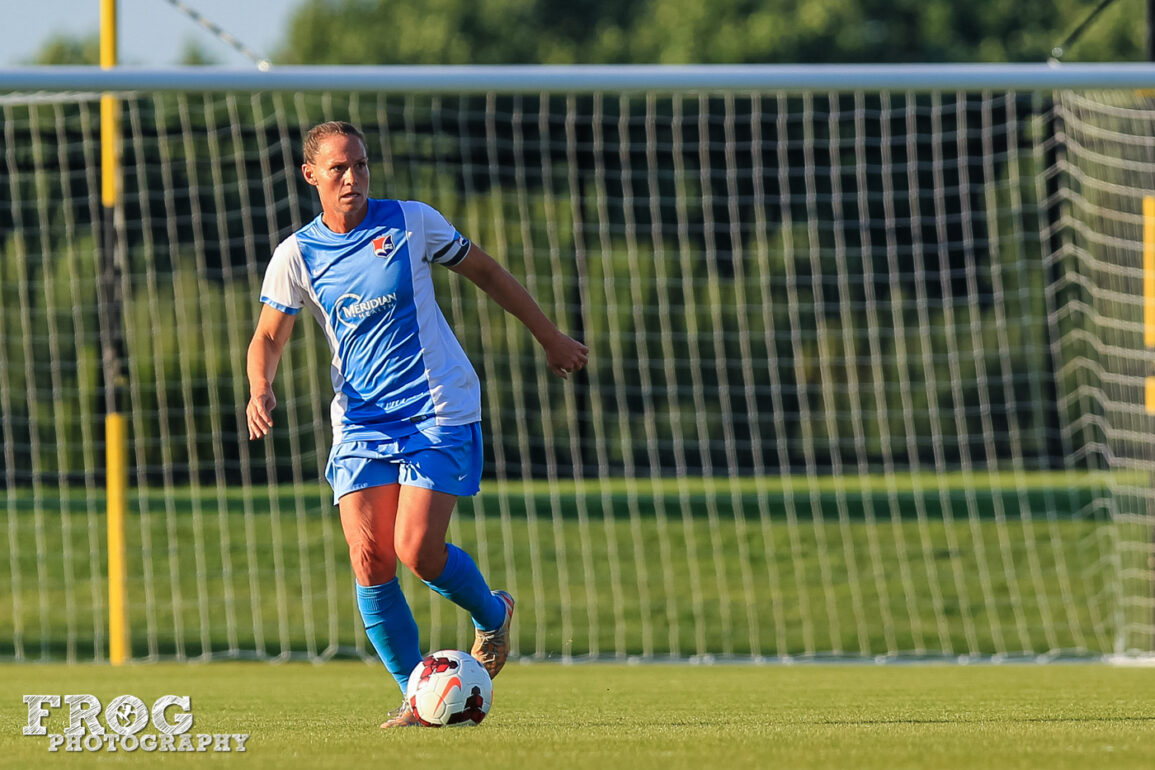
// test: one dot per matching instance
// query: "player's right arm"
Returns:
(269, 340)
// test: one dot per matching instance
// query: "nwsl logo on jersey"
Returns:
(387, 245)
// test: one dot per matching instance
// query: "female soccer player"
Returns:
(407, 407)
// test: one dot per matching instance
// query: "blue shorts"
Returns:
(445, 458)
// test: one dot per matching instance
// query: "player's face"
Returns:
(340, 172)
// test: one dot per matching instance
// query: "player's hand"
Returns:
(566, 355)
(259, 413)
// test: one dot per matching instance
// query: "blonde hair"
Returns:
(323, 131)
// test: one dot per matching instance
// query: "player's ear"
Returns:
(307, 172)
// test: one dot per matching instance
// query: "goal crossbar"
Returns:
(453, 79)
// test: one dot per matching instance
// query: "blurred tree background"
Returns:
(682, 32)
(716, 32)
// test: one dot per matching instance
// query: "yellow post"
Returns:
(117, 481)
(115, 430)
(109, 111)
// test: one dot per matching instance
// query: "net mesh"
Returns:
(867, 374)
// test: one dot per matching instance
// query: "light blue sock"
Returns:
(461, 583)
(390, 626)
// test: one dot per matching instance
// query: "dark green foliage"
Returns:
(695, 32)
(69, 50)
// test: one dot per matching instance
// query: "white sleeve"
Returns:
(443, 244)
(280, 290)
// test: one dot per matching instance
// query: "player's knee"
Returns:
(425, 560)
(371, 567)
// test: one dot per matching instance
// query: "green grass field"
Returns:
(616, 716)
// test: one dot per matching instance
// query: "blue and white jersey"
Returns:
(395, 361)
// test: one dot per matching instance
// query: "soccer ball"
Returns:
(449, 687)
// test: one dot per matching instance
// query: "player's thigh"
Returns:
(368, 520)
(422, 518)
(439, 464)
(422, 522)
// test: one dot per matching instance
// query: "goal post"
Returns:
(115, 447)
(870, 354)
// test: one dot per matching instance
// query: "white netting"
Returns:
(866, 379)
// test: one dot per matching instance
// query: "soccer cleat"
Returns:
(402, 716)
(491, 648)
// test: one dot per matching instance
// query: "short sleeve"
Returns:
(443, 244)
(280, 291)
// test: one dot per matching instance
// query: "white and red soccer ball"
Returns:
(449, 688)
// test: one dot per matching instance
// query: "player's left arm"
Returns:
(563, 353)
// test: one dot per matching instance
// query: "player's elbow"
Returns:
(265, 344)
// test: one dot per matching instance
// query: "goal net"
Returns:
(868, 374)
